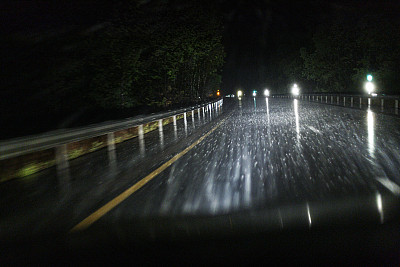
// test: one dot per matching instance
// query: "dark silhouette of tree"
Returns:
(156, 56)
(346, 49)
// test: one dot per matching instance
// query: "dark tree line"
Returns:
(332, 47)
(141, 55)
(349, 48)
(155, 55)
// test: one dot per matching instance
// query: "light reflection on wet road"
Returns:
(268, 152)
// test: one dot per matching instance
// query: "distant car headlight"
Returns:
(295, 90)
(370, 87)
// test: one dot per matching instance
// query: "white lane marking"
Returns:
(314, 130)
(390, 185)
(309, 215)
(379, 206)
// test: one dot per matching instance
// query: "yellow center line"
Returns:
(124, 195)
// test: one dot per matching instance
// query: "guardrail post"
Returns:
(309, 98)
(396, 107)
(193, 119)
(204, 113)
(360, 102)
(175, 127)
(369, 102)
(160, 131)
(62, 161)
(198, 114)
(382, 103)
(331, 99)
(351, 101)
(63, 170)
(326, 99)
(185, 121)
(174, 120)
(344, 101)
(337, 100)
(313, 98)
(112, 157)
(141, 139)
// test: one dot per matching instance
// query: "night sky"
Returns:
(252, 29)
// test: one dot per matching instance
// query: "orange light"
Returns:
(218, 93)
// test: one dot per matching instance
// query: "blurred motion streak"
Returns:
(296, 114)
(371, 133)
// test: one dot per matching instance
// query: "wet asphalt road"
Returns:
(272, 152)
(265, 153)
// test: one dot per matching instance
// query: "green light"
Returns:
(369, 77)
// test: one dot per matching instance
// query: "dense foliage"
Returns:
(73, 63)
(147, 55)
(349, 48)
(155, 56)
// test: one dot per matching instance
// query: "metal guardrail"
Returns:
(58, 139)
(340, 99)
